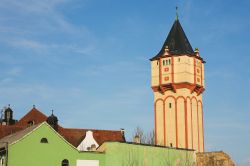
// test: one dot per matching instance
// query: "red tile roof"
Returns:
(73, 136)
(7, 130)
(33, 115)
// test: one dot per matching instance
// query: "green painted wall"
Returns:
(123, 154)
(30, 152)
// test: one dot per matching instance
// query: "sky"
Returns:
(88, 60)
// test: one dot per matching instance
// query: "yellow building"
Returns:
(178, 83)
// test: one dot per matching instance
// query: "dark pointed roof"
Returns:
(177, 42)
(52, 119)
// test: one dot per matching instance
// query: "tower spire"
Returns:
(177, 14)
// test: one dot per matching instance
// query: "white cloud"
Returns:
(34, 20)
(27, 44)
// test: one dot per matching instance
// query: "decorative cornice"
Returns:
(174, 86)
(177, 55)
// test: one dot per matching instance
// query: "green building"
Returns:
(132, 154)
(41, 145)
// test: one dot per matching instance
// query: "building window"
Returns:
(198, 71)
(163, 62)
(65, 162)
(179, 59)
(170, 105)
(169, 62)
(2, 161)
(171, 145)
(44, 140)
(31, 123)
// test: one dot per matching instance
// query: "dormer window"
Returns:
(31, 123)
(44, 141)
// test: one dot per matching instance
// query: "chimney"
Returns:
(137, 139)
(123, 133)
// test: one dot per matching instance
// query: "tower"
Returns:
(52, 120)
(7, 117)
(177, 81)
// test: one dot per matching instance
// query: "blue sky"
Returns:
(89, 61)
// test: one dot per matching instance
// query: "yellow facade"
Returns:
(178, 83)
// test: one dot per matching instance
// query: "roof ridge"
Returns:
(90, 129)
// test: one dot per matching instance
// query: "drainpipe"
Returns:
(7, 153)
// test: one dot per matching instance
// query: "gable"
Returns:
(89, 143)
(34, 116)
(51, 152)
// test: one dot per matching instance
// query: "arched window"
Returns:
(65, 162)
(44, 140)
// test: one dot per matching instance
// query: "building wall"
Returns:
(182, 122)
(178, 108)
(120, 154)
(177, 69)
(30, 152)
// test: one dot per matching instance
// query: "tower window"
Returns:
(169, 62)
(44, 141)
(157, 63)
(170, 105)
(65, 162)
(171, 145)
(179, 59)
(163, 62)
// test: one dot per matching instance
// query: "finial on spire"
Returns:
(52, 112)
(177, 15)
(9, 105)
(34, 106)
